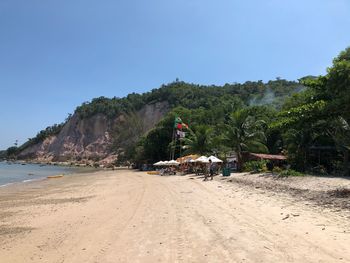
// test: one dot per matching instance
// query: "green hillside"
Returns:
(308, 121)
(311, 127)
(193, 96)
(216, 100)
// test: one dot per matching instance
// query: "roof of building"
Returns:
(187, 158)
(269, 156)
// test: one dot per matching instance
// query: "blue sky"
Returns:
(54, 55)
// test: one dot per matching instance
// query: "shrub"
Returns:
(319, 170)
(290, 172)
(277, 170)
(255, 166)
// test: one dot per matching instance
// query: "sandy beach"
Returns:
(130, 216)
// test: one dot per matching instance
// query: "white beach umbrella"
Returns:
(215, 159)
(160, 163)
(173, 162)
(166, 163)
(202, 159)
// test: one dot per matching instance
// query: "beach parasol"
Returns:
(215, 159)
(173, 162)
(202, 159)
(160, 163)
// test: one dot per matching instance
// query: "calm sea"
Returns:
(14, 173)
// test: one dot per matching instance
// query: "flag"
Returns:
(177, 121)
(180, 134)
(179, 124)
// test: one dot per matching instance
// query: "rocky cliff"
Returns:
(91, 139)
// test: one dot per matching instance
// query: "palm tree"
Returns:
(199, 141)
(244, 133)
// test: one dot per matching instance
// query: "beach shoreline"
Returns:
(20, 172)
(131, 216)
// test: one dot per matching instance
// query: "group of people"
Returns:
(207, 169)
(167, 171)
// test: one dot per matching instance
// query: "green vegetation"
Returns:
(277, 170)
(237, 131)
(311, 126)
(3, 155)
(255, 166)
(207, 110)
(315, 123)
(42, 135)
(205, 105)
(290, 172)
(11, 152)
(200, 141)
(193, 96)
(309, 121)
(243, 132)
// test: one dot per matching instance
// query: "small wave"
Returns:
(3, 185)
(32, 180)
(25, 181)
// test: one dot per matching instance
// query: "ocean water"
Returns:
(15, 173)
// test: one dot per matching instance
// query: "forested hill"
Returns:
(194, 96)
(308, 121)
(113, 126)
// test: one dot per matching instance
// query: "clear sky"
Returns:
(54, 55)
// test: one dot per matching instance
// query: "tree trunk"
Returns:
(239, 162)
(346, 162)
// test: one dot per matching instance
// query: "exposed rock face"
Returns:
(152, 114)
(91, 138)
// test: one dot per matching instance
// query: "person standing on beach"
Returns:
(211, 169)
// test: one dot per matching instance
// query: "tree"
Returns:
(244, 133)
(302, 126)
(199, 141)
(340, 132)
(11, 152)
(338, 85)
(317, 117)
(334, 88)
(126, 134)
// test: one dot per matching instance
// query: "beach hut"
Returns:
(272, 159)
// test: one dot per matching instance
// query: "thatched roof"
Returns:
(269, 156)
